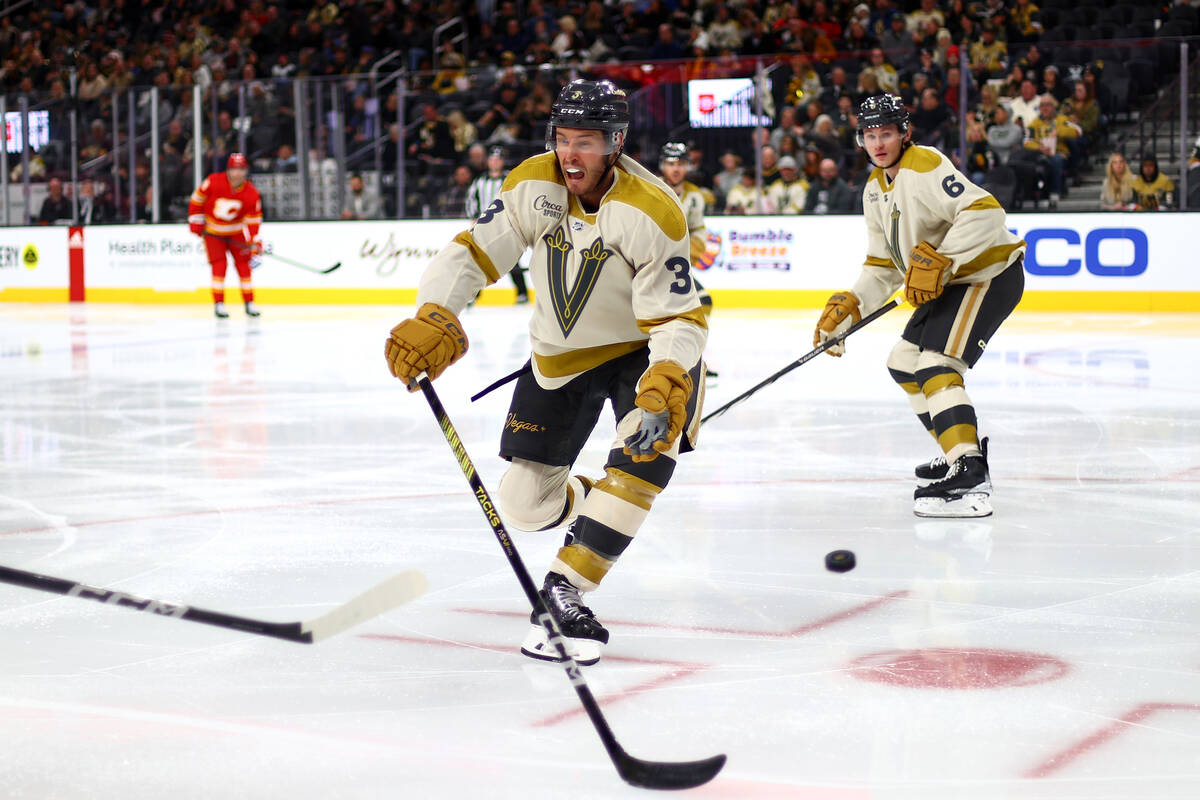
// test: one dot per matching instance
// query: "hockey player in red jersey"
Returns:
(227, 212)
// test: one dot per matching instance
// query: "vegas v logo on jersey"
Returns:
(568, 300)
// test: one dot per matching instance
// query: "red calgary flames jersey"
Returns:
(222, 210)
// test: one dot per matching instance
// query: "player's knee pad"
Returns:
(534, 496)
(902, 366)
(937, 372)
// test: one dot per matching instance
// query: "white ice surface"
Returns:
(272, 468)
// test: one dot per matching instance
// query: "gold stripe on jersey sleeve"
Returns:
(573, 362)
(696, 316)
(543, 167)
(984, 203)
(875, 261)
(481, 259)
(651, 201)
(988, 258)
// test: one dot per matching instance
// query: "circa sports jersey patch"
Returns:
(568, 301)
(549, 209)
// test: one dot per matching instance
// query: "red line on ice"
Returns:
(1121, 725)
(816, 625)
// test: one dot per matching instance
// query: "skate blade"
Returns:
(585, 651)
(973, 504)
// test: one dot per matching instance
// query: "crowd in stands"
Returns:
(1037, 104)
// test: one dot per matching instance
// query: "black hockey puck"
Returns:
(840, 561)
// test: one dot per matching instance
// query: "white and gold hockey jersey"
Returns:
(930, 200)
(607, 283)
(692, 200)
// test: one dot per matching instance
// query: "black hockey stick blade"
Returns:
(645, 774)
(386, 595)
(668, 774)
(804, 359)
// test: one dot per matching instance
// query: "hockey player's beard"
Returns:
(590, 186)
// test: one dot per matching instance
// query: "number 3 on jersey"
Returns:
(679, 267)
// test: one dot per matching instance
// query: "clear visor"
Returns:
(606, 143)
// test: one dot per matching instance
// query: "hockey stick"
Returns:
(816, 351)
(644, 774)
(277, 257)
(394, 591)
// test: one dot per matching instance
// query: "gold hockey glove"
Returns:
(429, 342)
(926, 268)
(840, 313)
(663, 393)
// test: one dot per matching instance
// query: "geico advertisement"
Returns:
(383, 255)
(33, 258)
(1109, 252)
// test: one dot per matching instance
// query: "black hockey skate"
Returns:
(219, 310)
(936, 469)
(963, 492)
(583, 635)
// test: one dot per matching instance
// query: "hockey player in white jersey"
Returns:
(616, 319)
(945, 240)
(673, 165)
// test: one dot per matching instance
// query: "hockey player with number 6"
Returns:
(945, 240)
(616, 319)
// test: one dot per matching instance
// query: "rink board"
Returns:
(1084, 262)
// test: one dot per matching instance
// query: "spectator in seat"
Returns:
(1052, 85)
(452, 203)
(360, 203)
(1116, 194)
(1083, 110)
(829, 194)
(747, 198)
(886, 77)
(286, 161)
(665, 47)
(1154, 191)
(788, 192)
(1003, 135)
(770, 165)
(1011, 88)
(729, 176)
(928, 11)
(930, 119)
(825, 137)
(434, 141)
(95, 208)
(789, 128)
(897, 38)
(56, 206)
(868, 86)
(1026, 106)
(1048, 134)
(988, 56)
(837, 87)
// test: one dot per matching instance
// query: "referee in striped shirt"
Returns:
(482, 192)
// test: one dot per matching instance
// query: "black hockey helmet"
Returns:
(880, 110)
(672, 151)
(590, 105)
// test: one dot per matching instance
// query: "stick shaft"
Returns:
(804, 359)
(292, 631)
